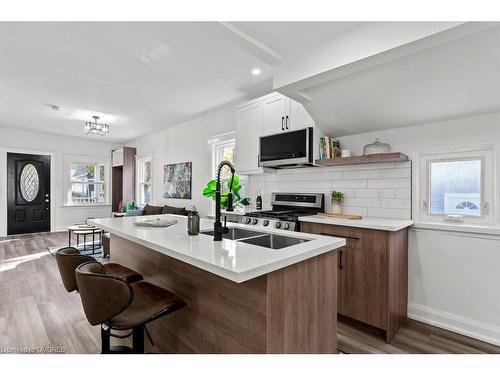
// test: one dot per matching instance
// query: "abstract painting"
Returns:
(177, 180)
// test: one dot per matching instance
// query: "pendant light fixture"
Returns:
(95, 128)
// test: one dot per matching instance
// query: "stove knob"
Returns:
(247, 220)
(265, 223)
(277, 225)
(255, 221)
(286, 226)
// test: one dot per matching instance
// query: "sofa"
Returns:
(158, 210)
(146, 210)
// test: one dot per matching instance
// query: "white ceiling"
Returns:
(141, 77)
(277, 35)
(456, 79)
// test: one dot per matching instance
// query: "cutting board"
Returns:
(341, 216)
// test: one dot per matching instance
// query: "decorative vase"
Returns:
(336, 207)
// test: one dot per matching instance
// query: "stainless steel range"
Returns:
(286, 210)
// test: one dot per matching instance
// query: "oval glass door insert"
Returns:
(29, 182)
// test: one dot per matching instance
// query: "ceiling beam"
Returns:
(251, 45)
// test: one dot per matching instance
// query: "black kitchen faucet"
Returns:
(219, 230)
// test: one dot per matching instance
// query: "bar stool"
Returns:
(69, 258)
(117, 304)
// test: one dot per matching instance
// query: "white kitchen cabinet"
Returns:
(248, 131)
(283, 114)
(269, 114)
(275, 109)
(298, 117)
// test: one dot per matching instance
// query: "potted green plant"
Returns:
(337, 198)
(209, 192)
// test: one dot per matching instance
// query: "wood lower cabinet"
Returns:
(372, 275)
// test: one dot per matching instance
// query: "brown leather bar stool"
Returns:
(117, 304)
(69, 258)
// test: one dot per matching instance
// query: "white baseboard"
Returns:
(476, 329)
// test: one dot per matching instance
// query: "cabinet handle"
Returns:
(282, 123)
(286, 122)
(339, 236)
(258, 160)
(340, 260)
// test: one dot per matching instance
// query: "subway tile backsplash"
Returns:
(376, 190)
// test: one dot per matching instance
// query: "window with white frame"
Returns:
(223, 150)
(144, 181)
(223, 147)
(87, 183)
(457, 186)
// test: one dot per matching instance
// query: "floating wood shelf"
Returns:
(389, 157)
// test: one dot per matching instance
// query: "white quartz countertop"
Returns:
(233, 260)
(379, 223)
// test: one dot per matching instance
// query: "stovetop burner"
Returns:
(290, 215)
(287, 208)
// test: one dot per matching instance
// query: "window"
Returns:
(144, 181)
(88, 183)
(224, 151)
(452, 182)
(223, 147)
(457, 184)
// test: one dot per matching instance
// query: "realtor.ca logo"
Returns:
(33, 350)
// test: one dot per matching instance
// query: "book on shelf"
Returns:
(329, 148)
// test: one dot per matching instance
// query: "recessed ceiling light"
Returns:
(255, 71)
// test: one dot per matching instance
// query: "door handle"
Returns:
(286, 122)
(339, 236)
(282, 123)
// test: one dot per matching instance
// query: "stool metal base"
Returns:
(137, 342)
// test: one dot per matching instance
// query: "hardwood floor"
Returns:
(37, 312)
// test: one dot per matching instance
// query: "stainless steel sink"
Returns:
(235, 233)
(274, 241)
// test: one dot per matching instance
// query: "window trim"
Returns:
(486, 155)
(70, 160)
(138, 160)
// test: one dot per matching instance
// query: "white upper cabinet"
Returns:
(270, 114)
(283, 114)
(275, 109)
(297, 117)
(248, 131)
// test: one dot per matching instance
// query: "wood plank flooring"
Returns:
(36, 312)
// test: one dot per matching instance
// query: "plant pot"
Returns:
(336, 207)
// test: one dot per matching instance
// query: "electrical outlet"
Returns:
(380, 194)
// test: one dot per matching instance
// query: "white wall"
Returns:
(380, 190)
(186, 142)
(14, 140)
(453, 277)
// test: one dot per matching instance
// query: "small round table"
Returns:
(85, 230)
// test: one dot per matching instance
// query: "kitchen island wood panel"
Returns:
(290, 310)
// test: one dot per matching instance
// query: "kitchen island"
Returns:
(241, 297)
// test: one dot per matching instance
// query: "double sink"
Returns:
(263, 239)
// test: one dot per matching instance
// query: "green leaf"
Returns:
(209, 193)
(212, 184)
(245, 202)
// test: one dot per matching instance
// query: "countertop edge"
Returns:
(227, 274)
(383, 225)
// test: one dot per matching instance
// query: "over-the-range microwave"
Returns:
(290, 149)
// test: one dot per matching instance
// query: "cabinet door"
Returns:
(298, 117)
(274, 109)
(248, 131)
(363, 289)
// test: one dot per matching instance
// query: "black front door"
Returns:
(28, 193)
